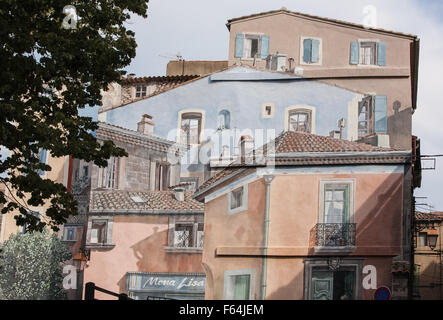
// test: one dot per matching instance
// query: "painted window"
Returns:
(268, 110)
(251, 46)
(35, 215)
(162, 172)
(237, 198)
(108, 176)
(336, 203)
(368, 52)
(300, 120)
(140, 91)
(422, 239)
(188, 235)
(191, 126)
(239, 284)
(42, 157)
(99, 231)
(224, 119)
(70, 233)
(372, 115)
(311, 50)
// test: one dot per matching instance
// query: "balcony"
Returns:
(335, 237)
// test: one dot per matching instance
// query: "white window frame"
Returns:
(320, 52)
(263, 112)
(141, 91)
(244, 205)
(252, 34)
(65, 233)
(312, 109)
(229, 282)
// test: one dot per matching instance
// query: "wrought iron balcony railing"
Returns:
(335, 234)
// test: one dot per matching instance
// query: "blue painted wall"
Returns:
(244, 100)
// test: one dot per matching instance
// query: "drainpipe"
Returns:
(268, 180)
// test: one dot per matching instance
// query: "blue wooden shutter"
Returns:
(307, 50)
(355, 52)
(380, 114)
(264, 47)
(239, 39)
(42, 159)
(381, 54)
(315, 50)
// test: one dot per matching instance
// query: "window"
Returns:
(268, 110)
(224, 119)
(335, 227)
(140, 91)
(35, 215)
(85, 171)
(368, 52)
(107, 177)
(239, 284)
(300, 120)
(365, 113)
(249, 46)
(372, 115)
(70, 233)
(99, 231)
(42, 153)
(422, 239)
(336, 203)
(236, 198)
(191, 126)
(311, 51)
(188, 235)
(162, 172)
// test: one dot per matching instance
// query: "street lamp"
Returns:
(432, 238)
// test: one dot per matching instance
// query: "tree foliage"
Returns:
(49, 72)
(31, 267)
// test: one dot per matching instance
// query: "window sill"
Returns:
(183, 250)
(334, 249)
(100, 245)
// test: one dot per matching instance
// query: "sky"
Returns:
(196, 30)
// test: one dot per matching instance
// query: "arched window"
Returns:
(224, 119)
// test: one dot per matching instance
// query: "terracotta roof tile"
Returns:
(119, 201)
(298, 148)
(428, 216)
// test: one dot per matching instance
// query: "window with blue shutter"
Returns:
(307, 50)
(315, 52)
(355, 52)
(264, 47)
(239, 40)
(380, 114)
(381, 54)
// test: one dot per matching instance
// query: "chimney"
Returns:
(179, 193)
(146, 125)
(246, 147)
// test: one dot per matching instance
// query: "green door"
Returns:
(322, 284)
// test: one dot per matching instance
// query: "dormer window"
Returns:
(140, 91)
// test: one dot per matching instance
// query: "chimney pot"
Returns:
(179, 193)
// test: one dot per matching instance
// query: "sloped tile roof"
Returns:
(428, 216)
(118, 201)
(314, 17)
(114, 133)
(164, 79)
(298, 148)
